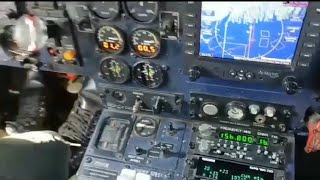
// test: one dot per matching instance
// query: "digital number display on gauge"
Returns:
(148, 74)
(145, 43)
(115, 70)
(110, 39)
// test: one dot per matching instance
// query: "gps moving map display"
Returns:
(257, 31)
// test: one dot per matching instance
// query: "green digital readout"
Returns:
(263, 141)
(243, 138)
(236, 137)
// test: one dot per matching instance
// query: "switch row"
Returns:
(129, 174)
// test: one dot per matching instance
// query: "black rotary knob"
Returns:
(194, 73)
(290, 85)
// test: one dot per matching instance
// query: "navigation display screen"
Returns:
(251, 31)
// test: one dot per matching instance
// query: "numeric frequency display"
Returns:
(243, 138)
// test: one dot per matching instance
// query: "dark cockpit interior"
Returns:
(163, 90)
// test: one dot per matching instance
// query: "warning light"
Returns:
(69, 55)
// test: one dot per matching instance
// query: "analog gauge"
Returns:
(145, 43)
(145, 127)
(142, 11)
(105, 9)
(115, 70)
(210, 109)
(110, 40)
(148, 74)
(236, 110)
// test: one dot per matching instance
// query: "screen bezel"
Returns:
(208, 60)
(232, 164)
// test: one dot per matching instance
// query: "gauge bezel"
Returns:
(122, 36)
(209, 103)
(129, 77)
(237, 104)
(138, 81)
(127, 12)
(130, 42)
(106, 19)
(146, 118)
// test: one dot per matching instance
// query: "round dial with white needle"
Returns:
(145, 43)
(145, 127)
(105, 9)
(142, 11)
(236, 110)
(110, 39)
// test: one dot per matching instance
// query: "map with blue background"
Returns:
(252, 31)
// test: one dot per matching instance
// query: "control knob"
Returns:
(254, 109)
(204, 145)
(269, 111)
(290, 85)
(231, 146)
(194, 73)
(205, 130)
(274, 156)
(259, 151)
(287, 113)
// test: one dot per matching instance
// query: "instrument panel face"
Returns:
(142, 57)
(130, 31)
